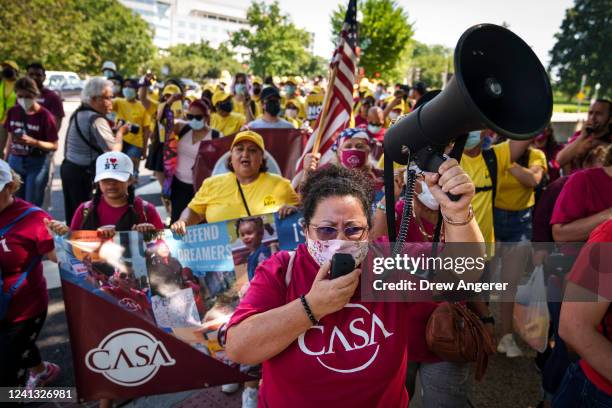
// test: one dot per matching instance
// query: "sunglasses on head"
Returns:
(196, 117)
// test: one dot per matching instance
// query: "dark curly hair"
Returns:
(336, 181)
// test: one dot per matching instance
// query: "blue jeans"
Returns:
(576, 391)
(34, 170)
(444, 384)
(512, 226)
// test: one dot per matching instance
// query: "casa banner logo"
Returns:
(334, 346)
(128, 357)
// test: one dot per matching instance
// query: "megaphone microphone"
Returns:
(499, 84)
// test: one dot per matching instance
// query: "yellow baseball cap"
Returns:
(11, 64)
(249, 135)
(171, 89)
(257, 80)
(220, 96)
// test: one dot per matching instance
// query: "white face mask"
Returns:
(291, 113)
(25, 103)
(374, 129)
(426, 198)
(323, 251)
(393, 115)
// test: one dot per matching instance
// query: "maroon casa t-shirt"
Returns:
(26, 240)
(39, 125)
(356, 357)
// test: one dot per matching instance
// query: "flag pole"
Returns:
(324, 112)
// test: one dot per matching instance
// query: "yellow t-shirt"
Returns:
(227, 125)
(152, 111)
(239, 108)
(218, 199)
(511, 194)
(133, 112)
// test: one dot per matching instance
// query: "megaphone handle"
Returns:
(428, 159)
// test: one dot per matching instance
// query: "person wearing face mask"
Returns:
(361, 118)
(8, 98)
(271, 101)
(243, 104)
(117, 81)
(292, 306)
(109, 69)
(256, 97)
(32, 135)
(352, 147)
(376, 123)
(190, 136)
(291, 113)
(247, 189)
(488, 169)
(291, 93)
(224, 119)
(130, 110)
(48, 98)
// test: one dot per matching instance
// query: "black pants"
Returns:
(180, 197)
(18, 350)
(77, 183)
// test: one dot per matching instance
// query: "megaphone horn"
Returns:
(499, 83)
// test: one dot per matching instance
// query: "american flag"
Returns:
(336, 112)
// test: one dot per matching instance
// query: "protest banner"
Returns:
(284, 148)
(148, 317)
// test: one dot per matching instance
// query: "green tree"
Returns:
(197, 61)
(273, 44)
(75, 35)
(432, 62)
(384, 36)
(583, 47)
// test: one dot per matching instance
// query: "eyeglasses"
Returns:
(325, 232)
(196, 117)
(126, 276)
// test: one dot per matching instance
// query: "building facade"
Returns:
(190, 21)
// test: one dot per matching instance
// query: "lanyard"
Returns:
(243, 199)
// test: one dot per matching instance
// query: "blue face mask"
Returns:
(111, 116)
(240, 89)
(129, 93)
(196, 124)
(473, 140)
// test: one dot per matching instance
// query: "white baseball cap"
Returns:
(5, 174)
(109, 65)
(114, 165)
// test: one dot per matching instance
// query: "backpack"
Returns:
(5, 297)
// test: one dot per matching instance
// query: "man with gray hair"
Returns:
(89, 135)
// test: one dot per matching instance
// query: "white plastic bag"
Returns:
(531, 317)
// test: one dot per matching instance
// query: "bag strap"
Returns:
(184, 130)
(214, 134)
(92, 146)
(491, 163)
(11, 224)
(6, 296)
(290, 267)
(243, 199)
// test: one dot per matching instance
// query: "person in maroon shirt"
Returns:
(349, 352)
(547, 143)
(114, 207)
(587, 326)
(24, 240)
(33, 134)
(47, 98)
(122, 287)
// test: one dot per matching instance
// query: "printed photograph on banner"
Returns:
(253, 240)
(113, 268)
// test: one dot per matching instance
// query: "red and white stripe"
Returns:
(344, 61)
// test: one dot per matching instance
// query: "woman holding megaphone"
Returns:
(349, 352)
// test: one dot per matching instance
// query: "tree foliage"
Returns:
(384, 36)
(583, 47)
(74, 35)
(431, 61)
(273, 44)
(197, 61)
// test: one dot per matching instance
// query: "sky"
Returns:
(443, 21)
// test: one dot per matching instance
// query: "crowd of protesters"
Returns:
(539, 190)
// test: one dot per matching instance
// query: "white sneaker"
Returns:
(230, 388)
(249, 397)
(508, 346)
